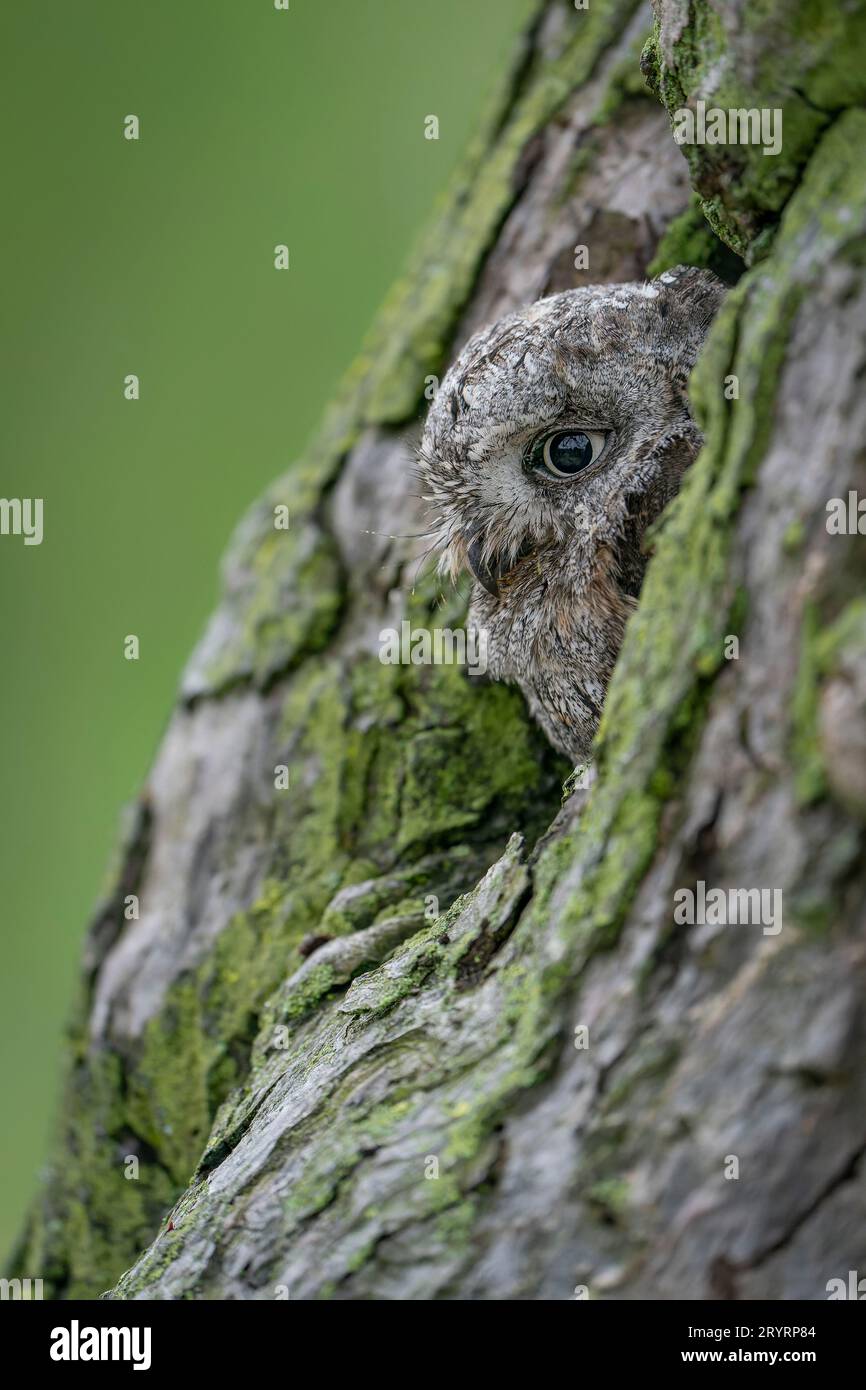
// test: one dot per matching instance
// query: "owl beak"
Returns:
(487, 575)
(490, 573)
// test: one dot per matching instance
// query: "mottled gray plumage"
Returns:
(558, 560)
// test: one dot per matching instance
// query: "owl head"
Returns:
(555, 439)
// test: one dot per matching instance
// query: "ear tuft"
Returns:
(697, 290)
(688, 301)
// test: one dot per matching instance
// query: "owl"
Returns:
(555, 439)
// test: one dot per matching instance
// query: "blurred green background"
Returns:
(257, 127)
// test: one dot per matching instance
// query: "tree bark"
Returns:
(344, 1040)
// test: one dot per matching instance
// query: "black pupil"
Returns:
(568, 453)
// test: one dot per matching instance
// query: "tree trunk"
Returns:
(414, 1030)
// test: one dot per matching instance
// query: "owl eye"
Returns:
(565, 452)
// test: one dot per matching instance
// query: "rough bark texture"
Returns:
(308, 1093)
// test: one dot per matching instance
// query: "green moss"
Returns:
(315, 986)
(844, 636)
(747, 61)
(610, 1198)
(409, 967)
(690, 240)
(820, 651)
(795, 535)
(90, 1209)
(455, 1224)
(442, 1194)
(284, 599)
(341, 1155)
(482, 754)
(167, 1090)
(809, 779)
